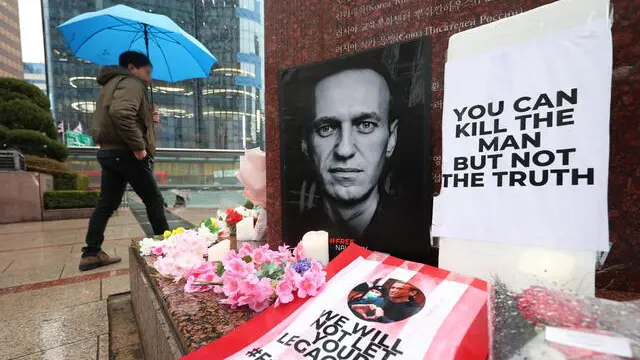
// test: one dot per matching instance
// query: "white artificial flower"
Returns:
(206, 233)
(145, 246)
(222, 216)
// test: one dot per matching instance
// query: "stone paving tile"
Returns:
(15, 277)
(122, 232)
(64, 316)
(73, 260)
(30, 241)
(45, 331)
(85, 349)
(115, 285)
(49, 299)
(4, 264)
(34, 258)
(103, 347)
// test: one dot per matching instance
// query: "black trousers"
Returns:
(120, 167)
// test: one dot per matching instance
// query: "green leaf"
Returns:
(220, 269)
(247, 259)
(209, 224)
(271, 271)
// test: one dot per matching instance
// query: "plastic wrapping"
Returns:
(544, 324)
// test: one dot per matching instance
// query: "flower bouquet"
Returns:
(541, 323)
(258, 277)
(179, 252)
(246, 222)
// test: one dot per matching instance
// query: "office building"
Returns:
(36, 74)
(224, 112)
(10, 51)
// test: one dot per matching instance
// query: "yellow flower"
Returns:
(214, 223)
(166, 234)
(179, 230)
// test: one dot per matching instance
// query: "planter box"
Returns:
(22, 194)
(172, 323)
(67, 214)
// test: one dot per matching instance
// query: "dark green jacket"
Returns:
(123, 118)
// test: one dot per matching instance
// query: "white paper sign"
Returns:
(526, 142)
(600, 343)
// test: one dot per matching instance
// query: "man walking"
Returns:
(123, 126)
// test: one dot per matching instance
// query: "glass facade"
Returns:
(224, 111)
(36, 74)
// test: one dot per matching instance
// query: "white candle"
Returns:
(244, 230)
(315, 245)
(548, 265)
(218, 251)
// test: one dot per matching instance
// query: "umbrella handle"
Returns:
(146, 45)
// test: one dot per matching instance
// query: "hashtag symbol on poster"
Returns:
(258, 353)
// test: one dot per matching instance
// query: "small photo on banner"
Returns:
(393, 300)
(356, 150)
(525, 142)
(374, 307)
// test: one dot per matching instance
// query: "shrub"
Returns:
(82, 182)
(45, 163)
(20, 89)
(62, 180)
(24, 114)
(7, 95)
(70, 199)
(31, 142)
(3, 134)
(57, 150)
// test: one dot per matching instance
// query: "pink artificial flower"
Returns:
(231, 300)
(259, 306)
(245, 250)
(157, 250)
(298, 252)
(205, 268)
(311, 284)
(237, 267)
(248, 284)
(189, 287)
(230, 256)
(205, 273)
(230, 285)
(257, 294)
(284, 291)
(260, 255)
(282, 255)
(316, 267)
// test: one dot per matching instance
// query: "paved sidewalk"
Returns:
(48, 308)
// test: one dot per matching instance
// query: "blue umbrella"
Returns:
(101, 36)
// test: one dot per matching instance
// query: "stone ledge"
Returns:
(21, 195)
(192, 320)
(66, 214)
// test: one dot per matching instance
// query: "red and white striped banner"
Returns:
(373, 307)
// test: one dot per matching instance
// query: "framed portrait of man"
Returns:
(355, 135)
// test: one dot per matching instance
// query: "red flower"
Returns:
(233, 217)
(540, 305)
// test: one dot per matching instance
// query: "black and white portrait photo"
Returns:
(355, 150)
